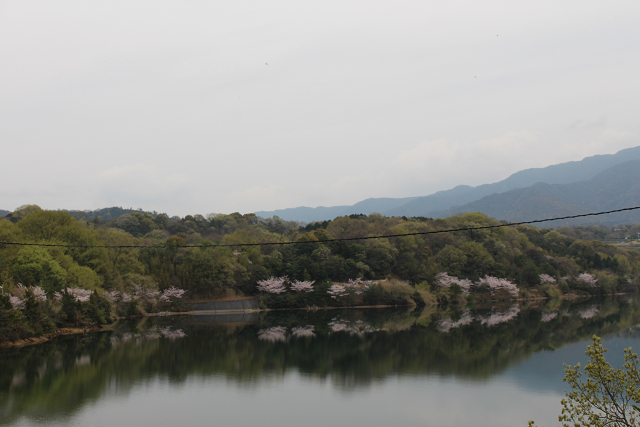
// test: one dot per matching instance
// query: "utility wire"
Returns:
(417, 233)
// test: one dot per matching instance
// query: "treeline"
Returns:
(519, 254)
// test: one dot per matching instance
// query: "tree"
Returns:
(608, 398)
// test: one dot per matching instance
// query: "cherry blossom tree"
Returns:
(350, 289)
(80, 295)
(273, 285)
(145, 294)
(495, 284)
(545, 278)
(16, 302)
(548, 317)
(39, 294)
(171, 293)
(301, 286)
(445, 281)
(587, 279)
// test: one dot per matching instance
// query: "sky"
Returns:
(217, 106)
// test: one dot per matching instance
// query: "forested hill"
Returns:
(518, 254)
(615, 188)
(563, 173)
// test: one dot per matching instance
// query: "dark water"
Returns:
(493, 366)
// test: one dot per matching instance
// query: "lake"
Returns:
(493, 366)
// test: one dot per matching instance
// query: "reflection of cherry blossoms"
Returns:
(548, 317)
(273, 334)
(166, 332)
(495, 318)
(353, 328)
(445, 325)
(589, 312)
(303, 331)
(148, 335)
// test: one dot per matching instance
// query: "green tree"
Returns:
(35, 266)
(608, 398)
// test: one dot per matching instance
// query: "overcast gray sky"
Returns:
(171, 106)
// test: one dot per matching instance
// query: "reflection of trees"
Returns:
(56, 378)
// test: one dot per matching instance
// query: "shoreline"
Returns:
(98, 328)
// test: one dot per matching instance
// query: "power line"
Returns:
(417, 233)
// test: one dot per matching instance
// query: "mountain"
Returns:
(614, 188)
(321, 213)
(563, 173)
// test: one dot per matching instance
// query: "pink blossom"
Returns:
(113, 296)
(495, 284)
(305, 286)
(351, 288)
(81, 295)
(20, 290)
(587, 279)
(236, 253)
(548, 317)
(545, 278)
(444, 280)
(272, 285)
(16, 302)
(145, 294)
(171, 293)
(39, 293)
(57, 296)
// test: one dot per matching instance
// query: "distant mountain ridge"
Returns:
(435, 204)
(614, 188)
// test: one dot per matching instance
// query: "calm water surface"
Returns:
(488, 366)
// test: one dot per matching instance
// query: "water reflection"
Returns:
(353, 349)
